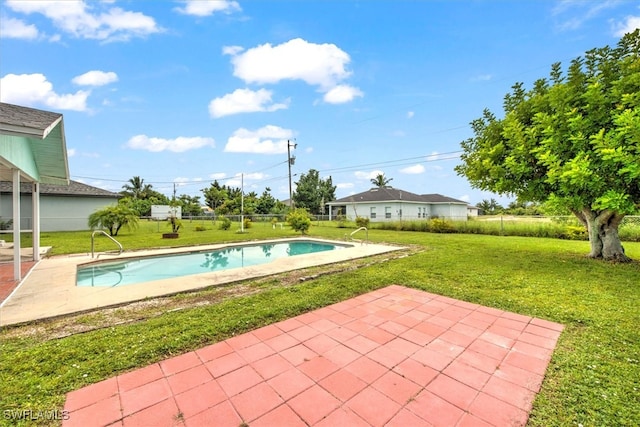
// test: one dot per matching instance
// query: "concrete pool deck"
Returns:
(49, 289)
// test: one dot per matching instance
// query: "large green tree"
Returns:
(312, 192)
(215, 195)
(574, 139)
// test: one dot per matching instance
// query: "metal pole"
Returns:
(242, 204)
(289, 162)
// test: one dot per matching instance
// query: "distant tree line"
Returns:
(312, 193)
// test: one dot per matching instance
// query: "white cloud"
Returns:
(413, 170)
(95, 78)
(232, 50)
(181, 181)
(433, 156)
(255, 176)
(344, 185)
(208, 7)
(81, 20)
(240, 179)
(177, 145)
(630, 24)
(341, 94)
(244, 101)
(321, 65)
(12, 28)
(368, 175)
(465, 198)
(482, 78)
(266, 140)
(218, 175)
(572, 14)
(410, 114)
(71, 152)
(32, 89)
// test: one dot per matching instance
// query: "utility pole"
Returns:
(242, 203)
(291, 161)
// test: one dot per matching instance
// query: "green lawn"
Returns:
(592, 380)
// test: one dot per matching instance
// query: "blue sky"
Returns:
(186, 92)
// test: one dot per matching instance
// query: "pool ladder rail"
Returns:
(110, 237)
(351, 238)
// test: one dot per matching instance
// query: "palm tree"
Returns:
(136, 188)
(113, 218)
(381, 181)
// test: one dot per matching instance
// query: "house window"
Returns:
(387, 212)
(372, 213)
(419, 212)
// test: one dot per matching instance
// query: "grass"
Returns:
(593, 378)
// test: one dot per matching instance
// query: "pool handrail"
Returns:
(356, 240)
(110, 237)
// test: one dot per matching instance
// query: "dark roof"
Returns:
(439, 198)
(382, 194)
(390, 194)
(15, 118)
(74, 188)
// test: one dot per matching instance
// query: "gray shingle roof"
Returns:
(74, 188)
(439, 198)
(390, 194)
(36, 122)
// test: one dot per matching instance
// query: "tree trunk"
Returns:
(602, 228)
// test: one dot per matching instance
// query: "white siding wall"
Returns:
(410, 211)
(57, 213)
(449, 211)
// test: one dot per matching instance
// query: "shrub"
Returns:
(200, 228)
(5, 225)
(225, 223)
(437, 225)
(175, 223)
(362, 221)
(247, 223)
(113, 218)
(572, 232)
(299, 220)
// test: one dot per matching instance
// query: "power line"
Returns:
(427, 158)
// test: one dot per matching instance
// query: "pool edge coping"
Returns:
(36, 294)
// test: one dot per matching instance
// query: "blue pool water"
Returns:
(138, 270)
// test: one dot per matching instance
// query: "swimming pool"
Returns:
(137, 270)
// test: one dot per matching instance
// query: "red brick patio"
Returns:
(7, 284)
(392, 357)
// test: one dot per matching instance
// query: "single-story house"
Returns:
(473, 210)
(62, 207)
(393, 204)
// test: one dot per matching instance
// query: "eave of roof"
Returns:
(390, 195)
(74, 188)
(43, 131)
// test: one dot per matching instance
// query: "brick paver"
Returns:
(395, 356)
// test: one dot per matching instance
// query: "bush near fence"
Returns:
(553, 227)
